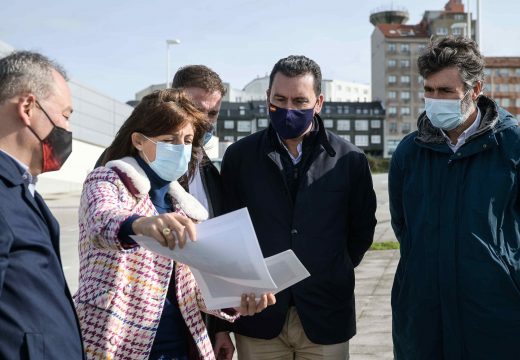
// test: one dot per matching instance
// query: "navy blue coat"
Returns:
(37, 317)
(329, 226)
(456, 292)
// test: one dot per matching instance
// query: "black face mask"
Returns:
(56, 147)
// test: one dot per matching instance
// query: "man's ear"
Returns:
(137, 140)
(26, 107)
(319, 104)
(477, 91)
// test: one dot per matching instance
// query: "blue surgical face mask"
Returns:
(445, 114)
(208, 136)
(289, 123)
(171, 161)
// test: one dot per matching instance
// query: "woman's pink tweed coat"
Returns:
(122, 290)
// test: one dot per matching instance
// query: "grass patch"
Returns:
(385, 245)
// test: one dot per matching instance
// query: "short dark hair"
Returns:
(159, 113)
(27, 72)
(199, 76)
(298, 65)
(451, 51)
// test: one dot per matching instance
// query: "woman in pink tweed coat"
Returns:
(132, 303)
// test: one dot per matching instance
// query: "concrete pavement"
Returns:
(373, 277)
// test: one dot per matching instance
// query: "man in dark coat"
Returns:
(37, 317)
(206, 89)
(455, 205)
(308, 190)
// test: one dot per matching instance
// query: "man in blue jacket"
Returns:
(455, 206)
(308, 190)
(37, 317)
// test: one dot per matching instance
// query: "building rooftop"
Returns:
(502, 61)
(401, 30)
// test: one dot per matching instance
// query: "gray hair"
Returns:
(24, 72)
(298, 65)
(451, 51)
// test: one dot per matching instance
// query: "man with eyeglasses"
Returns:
(37, 317)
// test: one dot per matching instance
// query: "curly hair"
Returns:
(451, 51)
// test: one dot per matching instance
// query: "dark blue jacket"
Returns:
(329, 225)
(456, 293)
(37, 317)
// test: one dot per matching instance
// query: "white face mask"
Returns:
(446, 114)
(171, 161)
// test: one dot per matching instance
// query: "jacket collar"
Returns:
(427, 133)
(136, 181)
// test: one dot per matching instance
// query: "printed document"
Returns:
(226, 261)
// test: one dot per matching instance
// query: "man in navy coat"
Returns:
(37, 317)
(311, 191)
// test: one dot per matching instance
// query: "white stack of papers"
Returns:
(227, 262)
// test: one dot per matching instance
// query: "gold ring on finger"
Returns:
(166, 231)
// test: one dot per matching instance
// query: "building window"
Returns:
(518, 102)
(242, 110)
(392, 145)
(365, 111)
(340, 109)
(503, 72)
(361, 140)
(262, 123)
(229, 124)
(420, 80)
(405, 79)
(421, 47)
(420, 95)
(376, 111)
(405, 48)
(327, 109)
(404, 64)
(405, 95)
(392, 48)
(328, 123)
(405, 110)
(392, 63)
(358, 111)
(405, 127)
(361, 125)
(441, 31)
(517, 86)
(244, 126)
(392, 79)
(375, 139)
(261, 109)
(503, 87)
(457, 31)
(343, 125)
(375, 124)
(505, 102)
(392, 127)
(392, 110)
(517, 71)
(346, 109)
(346, 137)
(229, 138)
(459, 17)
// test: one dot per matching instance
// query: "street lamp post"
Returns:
(168, 43)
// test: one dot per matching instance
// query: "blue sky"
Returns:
(118, 47)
